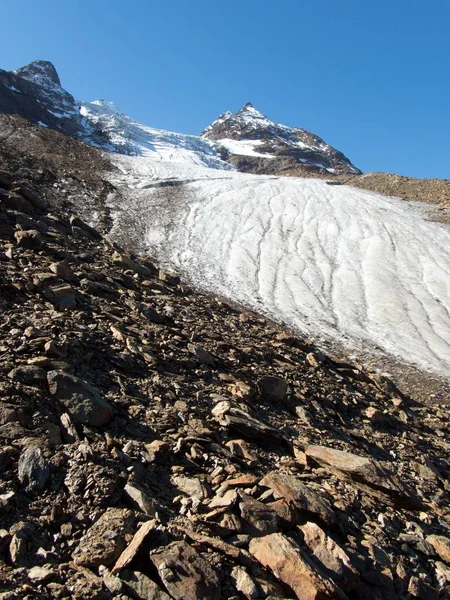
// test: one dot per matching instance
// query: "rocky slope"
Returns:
(254, 144)
(158, 443)
(432, 191)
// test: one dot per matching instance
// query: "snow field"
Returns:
(336, 261)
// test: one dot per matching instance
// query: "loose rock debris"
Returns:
(158, 443)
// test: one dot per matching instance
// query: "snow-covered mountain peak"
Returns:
(41, 72)
(251, 134)
(250, 115)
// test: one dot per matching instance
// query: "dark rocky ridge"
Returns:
(34, 92)
(40, 71)
(184, 456)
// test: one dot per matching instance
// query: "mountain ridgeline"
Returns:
(246, 141)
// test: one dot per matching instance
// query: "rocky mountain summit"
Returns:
(158, 443)
(254, 144)
(34, 92)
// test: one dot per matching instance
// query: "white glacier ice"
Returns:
(352, 265)
(130, 137)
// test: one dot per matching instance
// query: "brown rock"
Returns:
(61, 294)
(299, 498)
(441, 545)
(31, 240)
(62, 270)
(132, 549)
(143, 587)
(105, 540)
(257, 518)
(365, 474)
(291, 566)
(272, 389)
(185, 573)
(332, 558)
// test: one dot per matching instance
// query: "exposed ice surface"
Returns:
(360, 268)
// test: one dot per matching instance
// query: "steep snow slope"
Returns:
(332, 260)
(130, 137)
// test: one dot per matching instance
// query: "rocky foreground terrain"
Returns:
(157, 443)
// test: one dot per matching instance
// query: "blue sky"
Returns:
(369, 76)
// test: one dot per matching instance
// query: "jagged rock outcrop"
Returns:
(34, 92)
(271, 516)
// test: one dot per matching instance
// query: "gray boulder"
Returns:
(81, 400)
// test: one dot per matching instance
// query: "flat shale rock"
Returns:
(257, 518)
(82, 401)
(104, 542)
(299, 498)
(365, 474)
(143, 587)
(185, 573)
(332, 558)
(441, 545)
(292, 567)
(240, 422)
(133, 548)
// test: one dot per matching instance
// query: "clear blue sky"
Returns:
(369, 76)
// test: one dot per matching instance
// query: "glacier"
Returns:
(357, 267)
(130, 137)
